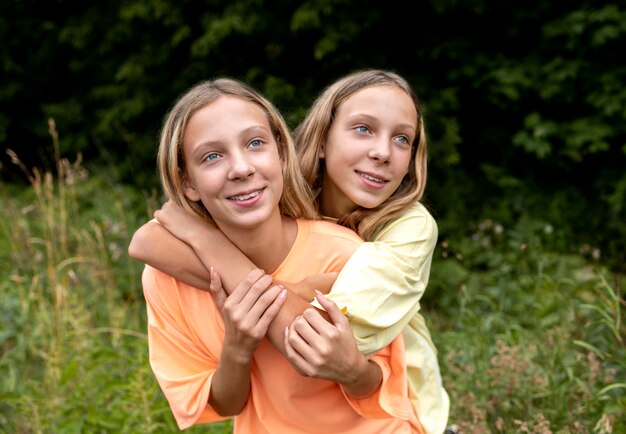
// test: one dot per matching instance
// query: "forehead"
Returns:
(224, 117)
(226, 107)
(378, 100)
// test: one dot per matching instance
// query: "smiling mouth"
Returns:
(371, 178)
(246, 196)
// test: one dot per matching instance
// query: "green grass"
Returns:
(530, 341)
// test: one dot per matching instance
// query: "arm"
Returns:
(311, 343)
(162, 245)
(186, 247)
(247, 313)
(383, 281)
(156, 246)
(374, 387)
(214, 370)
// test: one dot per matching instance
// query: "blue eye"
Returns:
(403, 139)
(255, 143)
(212, 156)
(362, 129)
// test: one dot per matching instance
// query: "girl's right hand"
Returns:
(247, 312)
(182, 224)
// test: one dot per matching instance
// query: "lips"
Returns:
(372, 177)
(245, 196)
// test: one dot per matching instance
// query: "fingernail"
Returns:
(319, 294)
(283, 294)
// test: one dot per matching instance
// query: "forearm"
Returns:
(154, 245)
(215, 250)
(233, 266)
(230, 387)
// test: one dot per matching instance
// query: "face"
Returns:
(232, 163)
(368, 150)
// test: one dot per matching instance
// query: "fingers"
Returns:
(336, 316)
(256, 280)
(216, 289)
(314, 347)
(268, 313)
(254, 304)
(311, 326)
(296, 360)
(166, 215)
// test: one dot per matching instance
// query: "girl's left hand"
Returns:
(317, 348)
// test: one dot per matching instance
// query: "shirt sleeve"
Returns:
(382, 283)
(391, 398)
(183, 367)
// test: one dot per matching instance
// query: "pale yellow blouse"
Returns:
(381, 286)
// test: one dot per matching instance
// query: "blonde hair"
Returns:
(296, 200)
(312, 134)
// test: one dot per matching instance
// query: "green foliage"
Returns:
(529, 340)
(515, 112)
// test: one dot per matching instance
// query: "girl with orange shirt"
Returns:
(226, 157)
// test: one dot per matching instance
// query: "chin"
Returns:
(368, 204)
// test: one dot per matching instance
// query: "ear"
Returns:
(189, 190)
(322, 154)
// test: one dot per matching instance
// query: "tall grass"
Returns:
(73, 347)
(530, 341)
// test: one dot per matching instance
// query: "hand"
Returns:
(182, 224)
(247, 312)
(317, 348)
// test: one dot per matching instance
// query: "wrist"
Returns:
(234, 355)
(364, 379)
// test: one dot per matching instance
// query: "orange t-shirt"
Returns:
(186, 333)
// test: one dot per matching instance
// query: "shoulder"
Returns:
(322, 247)
(415, 221)
(332, 231)
(158, 287)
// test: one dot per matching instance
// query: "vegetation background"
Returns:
(525, 106)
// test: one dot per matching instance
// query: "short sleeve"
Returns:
(382, 283)
(182, 365)
(391, 399)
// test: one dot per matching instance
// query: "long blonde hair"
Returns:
(312, 134)
(296, 200)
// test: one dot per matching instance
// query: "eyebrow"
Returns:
(253, 129)
(374, 118)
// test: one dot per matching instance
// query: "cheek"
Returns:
(406, 163)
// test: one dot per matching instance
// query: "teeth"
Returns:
(371, 178)
(245, 196)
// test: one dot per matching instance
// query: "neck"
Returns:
(267, 245)
(332, 202)
(332, 208)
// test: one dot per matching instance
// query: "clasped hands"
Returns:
(315, 346)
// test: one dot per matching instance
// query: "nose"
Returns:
(380, 151)
(241, 166)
